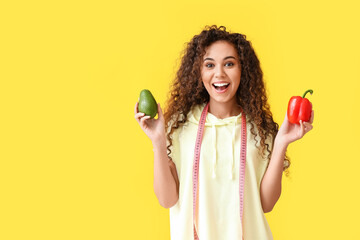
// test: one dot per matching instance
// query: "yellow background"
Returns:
(76, 165)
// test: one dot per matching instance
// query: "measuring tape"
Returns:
(199, 137)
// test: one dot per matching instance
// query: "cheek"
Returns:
(205, 77)
(236, 76)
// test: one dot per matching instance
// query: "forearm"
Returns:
(270, 188)
(165, 184)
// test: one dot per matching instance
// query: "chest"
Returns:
(220, 151)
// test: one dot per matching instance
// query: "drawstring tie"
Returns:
(232, 167)
(233, 152)
(214, 149)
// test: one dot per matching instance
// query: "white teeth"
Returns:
(220, 84)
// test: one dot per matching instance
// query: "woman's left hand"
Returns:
(290, 132)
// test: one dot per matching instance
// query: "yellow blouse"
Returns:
(218, 216)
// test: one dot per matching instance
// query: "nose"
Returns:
(219, 72)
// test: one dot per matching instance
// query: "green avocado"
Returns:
(147, 103)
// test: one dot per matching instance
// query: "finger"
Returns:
(143, 119)
(308, 126)
(286, 120)
(312, 117)
(160, 113)
(286, 117)
(139, 115)
(302, 127)
(136, 107)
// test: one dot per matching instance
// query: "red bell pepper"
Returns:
(299, 108)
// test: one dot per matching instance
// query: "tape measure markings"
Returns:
(196, 165)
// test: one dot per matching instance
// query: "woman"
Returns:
(218, 107)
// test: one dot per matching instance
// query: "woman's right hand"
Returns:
(153, 128)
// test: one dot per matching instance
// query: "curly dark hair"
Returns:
(186, 90)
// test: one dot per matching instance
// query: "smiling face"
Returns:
(221, 71)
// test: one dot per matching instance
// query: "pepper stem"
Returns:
(311, 92)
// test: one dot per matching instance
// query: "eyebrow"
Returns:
(224, 58)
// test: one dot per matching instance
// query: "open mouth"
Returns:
(221, 87)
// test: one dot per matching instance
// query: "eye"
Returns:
(231, 64)
(209, 65)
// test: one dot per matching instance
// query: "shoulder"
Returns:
(193, 115)
(255, 140)
(251, 124)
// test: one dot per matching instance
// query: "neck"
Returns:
(224, 110)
